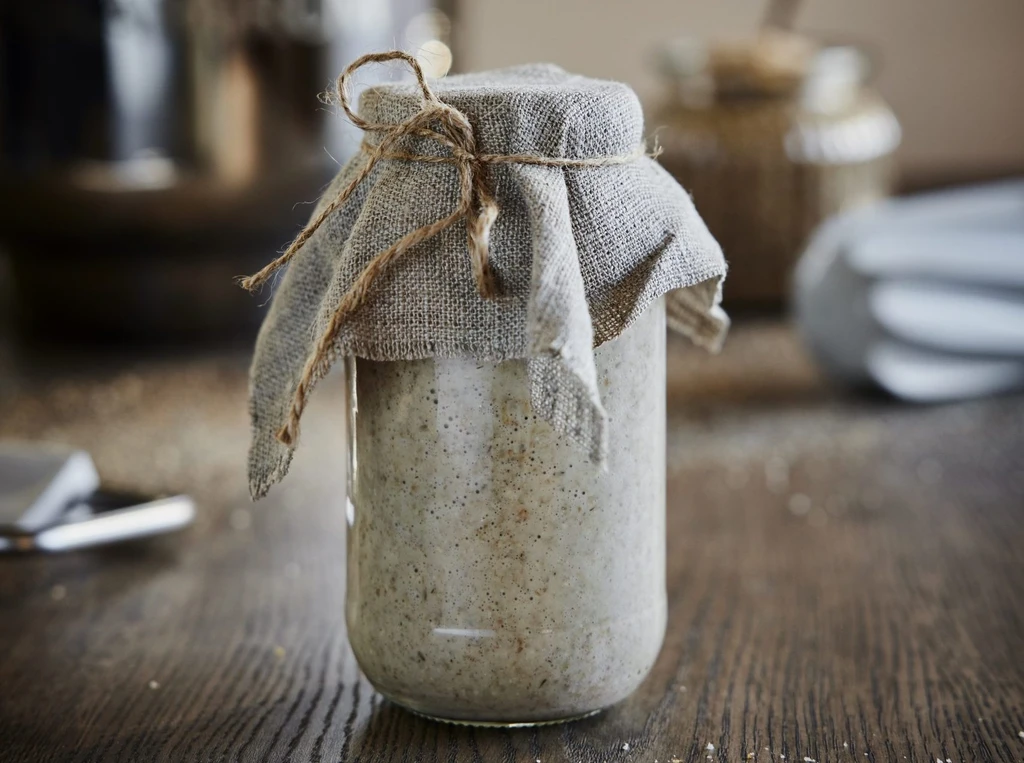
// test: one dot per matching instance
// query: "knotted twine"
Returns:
(451, 128)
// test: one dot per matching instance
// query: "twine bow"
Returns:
(443, 124)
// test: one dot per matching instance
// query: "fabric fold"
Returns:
(563, 377)
(661, 247)
(287, 336)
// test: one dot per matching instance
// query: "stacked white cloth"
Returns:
(922, 296)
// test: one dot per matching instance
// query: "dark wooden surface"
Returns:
(846, 580)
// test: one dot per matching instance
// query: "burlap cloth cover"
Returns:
(578, 254)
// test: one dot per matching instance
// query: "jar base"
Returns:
(496, 724)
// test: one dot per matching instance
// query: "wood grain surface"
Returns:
(846, 582)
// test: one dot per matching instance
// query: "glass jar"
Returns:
(768, 151)
(496, 575)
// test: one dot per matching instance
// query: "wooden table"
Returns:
(846, 579)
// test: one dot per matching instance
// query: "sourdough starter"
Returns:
(495, 574)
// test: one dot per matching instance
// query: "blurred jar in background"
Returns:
(771, 137)
(153, 150)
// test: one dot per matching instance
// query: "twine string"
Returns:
(477, 205)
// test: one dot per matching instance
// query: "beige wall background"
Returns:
(952, 69)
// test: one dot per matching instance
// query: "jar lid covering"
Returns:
(574, 254)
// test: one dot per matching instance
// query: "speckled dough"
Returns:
(494, 573)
